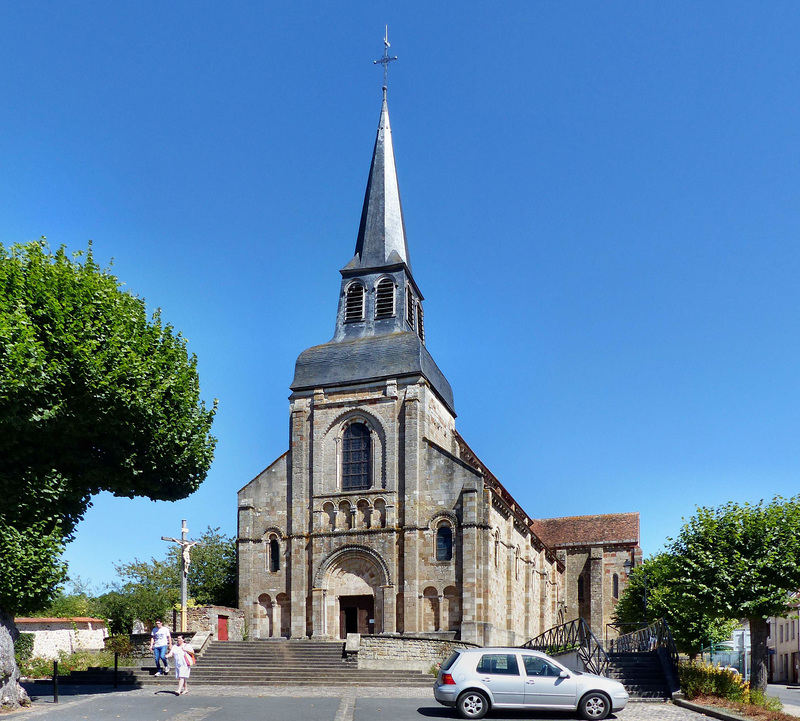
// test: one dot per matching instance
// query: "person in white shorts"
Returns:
(183, 655)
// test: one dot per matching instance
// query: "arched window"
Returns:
(420, 323)
(615, 585)
(274, 555)
(354, 305)
(384, 299)
(410, 307)
(356, 457)
(580, 588)
(444, 543)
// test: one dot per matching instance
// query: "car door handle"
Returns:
(486, 680)
(530, 682)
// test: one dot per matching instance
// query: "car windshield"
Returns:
(450, 661)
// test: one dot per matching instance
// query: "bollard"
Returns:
(116, 665)
(55, 681)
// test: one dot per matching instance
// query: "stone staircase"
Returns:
(642, 675)
(264, 663)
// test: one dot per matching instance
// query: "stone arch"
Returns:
(379, 513)
(352, 585)
(431, 617)
(443, 515)
(265, 618)
(284, 606)
(363, 513)
(332, 447)
(344, 516)
(352, 550)
(328, 518)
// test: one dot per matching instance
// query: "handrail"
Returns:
(656, 635)
(573, 636)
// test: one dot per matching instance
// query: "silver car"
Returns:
(477, 679)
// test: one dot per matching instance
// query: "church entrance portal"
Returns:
(357, 615)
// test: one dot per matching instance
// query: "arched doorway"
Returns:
(352, 590)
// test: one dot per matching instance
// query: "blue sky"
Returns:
(602, 203)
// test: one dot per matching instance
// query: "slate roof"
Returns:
(370, 358)
(381, 233)
(588, 530)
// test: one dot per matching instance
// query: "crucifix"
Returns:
(186, 549)
(386, 59)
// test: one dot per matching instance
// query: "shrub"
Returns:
(770, 703)
(703, 679)
(23, 647)
(120, 644)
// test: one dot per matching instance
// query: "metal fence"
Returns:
(573, 636)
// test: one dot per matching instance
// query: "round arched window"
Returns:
(444, 543)
(356, 456)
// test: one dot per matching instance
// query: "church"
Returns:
(379, 518)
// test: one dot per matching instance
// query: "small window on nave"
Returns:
(274, 555)
(384, 299)
(356, 457)
(444, 542)
(615, 585)
(354, 304)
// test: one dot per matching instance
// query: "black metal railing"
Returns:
(651, 638)
(573, 636)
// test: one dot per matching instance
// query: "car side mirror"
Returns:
(563, 674)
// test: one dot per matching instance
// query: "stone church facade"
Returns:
(380, 518)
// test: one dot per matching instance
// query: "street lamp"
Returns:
(628, 567)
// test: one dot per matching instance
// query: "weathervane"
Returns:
(386, 59)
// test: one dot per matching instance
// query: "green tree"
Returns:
(94, 396)
(147, 590)
(212, 572)
(741, 561)
(655, 580)
(151, 588)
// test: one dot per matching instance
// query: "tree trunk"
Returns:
(759, 655)
(12, 695)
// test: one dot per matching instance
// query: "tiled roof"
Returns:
(71, 619)
(588, 530)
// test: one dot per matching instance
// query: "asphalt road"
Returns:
(789, 696)
(286, 704)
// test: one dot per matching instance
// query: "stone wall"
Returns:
(141, 644)
(206, 618)
(404, 653)
(51, 636)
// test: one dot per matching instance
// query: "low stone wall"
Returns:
(206, 618)
(405, 653)
(53, 636)
(141, 644)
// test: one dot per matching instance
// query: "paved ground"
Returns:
(789, 696)
(285, 704)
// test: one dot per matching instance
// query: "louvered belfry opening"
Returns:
(384, 300)
(356, 457)
(420, 323)
(354, 308)
(410, 307)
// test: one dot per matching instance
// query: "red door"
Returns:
(222, 628)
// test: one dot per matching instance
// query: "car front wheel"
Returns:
(472, 704)
(595, 706)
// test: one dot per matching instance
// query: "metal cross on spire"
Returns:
(386, 59)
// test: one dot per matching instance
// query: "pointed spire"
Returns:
(382, 235)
